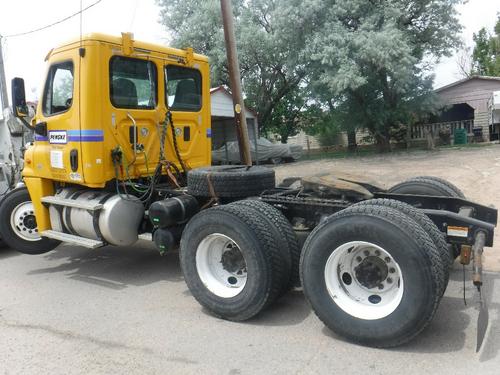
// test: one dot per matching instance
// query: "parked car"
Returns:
(266, 152)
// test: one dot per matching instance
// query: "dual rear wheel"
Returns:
(237, 259)
(373, 273)
(376, 271)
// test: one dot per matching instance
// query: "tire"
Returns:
(429, 185)
(288, 239)
(456, 190)
(229, 181)
(347, 236)
(434, 233)
(246, 231)
(423, 186)
(16, 208)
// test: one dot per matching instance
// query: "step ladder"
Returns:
(57, 201)
(71, 238)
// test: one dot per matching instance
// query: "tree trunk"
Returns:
(352, 146)
(430, 137)
(383, 142)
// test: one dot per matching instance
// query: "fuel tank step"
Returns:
(72, 239)
(85, 205)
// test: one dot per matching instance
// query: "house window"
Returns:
(58, 92)
(183, 87)
(132, 83)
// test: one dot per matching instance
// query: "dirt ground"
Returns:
(474, 170)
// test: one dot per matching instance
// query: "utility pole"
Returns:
(3, 85)
(235, 82)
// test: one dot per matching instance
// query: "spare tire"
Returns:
(447, 183)
(425, 185)
(230, 181)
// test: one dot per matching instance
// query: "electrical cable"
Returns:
(176, 146)
(54, 23)
(146, 192)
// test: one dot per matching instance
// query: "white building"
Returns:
(223, 123)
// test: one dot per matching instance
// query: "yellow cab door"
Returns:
(187, 98)
(130, 115)
(56, 153)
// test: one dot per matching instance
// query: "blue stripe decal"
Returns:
(85, 132)
(86, 135)
(85, 138)
(41, 138)
(78, 136)
(209, 133)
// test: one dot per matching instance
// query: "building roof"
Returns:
(485, 78)
(228, 93)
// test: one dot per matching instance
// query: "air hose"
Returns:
(176, 147)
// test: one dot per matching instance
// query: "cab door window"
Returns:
(132, 83)
(183, 86)
(58, 93)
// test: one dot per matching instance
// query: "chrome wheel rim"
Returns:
(364, 280)
(221, 265)
(23, 222)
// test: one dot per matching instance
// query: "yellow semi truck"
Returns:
(122, 151)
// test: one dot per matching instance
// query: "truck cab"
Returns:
(107, 95)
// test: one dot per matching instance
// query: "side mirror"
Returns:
(19, 98)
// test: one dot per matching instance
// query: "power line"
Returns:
(52, 24)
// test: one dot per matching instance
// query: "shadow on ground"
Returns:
(291, 309)
(6, 252)
(114, 267)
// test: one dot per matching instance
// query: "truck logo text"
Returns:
(58, 137)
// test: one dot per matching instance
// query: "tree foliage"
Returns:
(486, 53)
(270, 68)
(364, 61)
(372, 56)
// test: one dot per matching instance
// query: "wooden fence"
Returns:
(418, 132)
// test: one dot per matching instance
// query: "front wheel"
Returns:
(18, 224)
(370, 277)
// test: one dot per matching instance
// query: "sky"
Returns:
(24, 56)
(474, 15)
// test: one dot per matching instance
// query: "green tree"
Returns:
(270, 68)
(367, 61)
(373, 56)
(486, 53)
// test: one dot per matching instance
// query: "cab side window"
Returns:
(132, 83)
(183, 86)
(58, 93)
